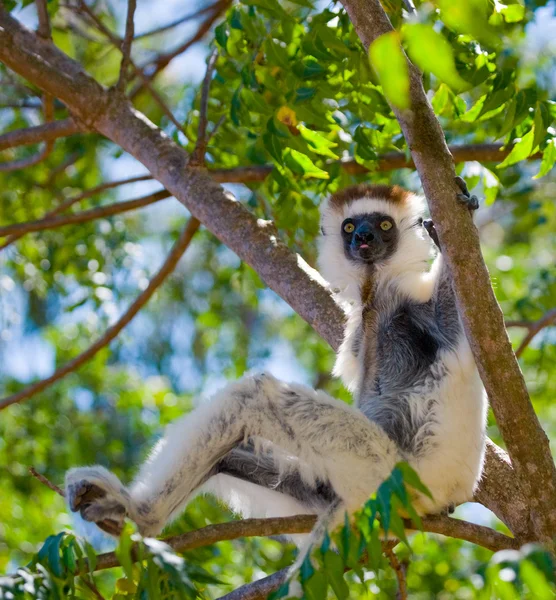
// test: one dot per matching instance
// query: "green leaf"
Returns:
(411, 478)
(221, 34)
(301, 164)
(276, 54)
(309, 68)
(520, 151)
(388, 61)
(317, 142)
(548, 159)
(513, 13)
(306, 570)
(542, 121)
(535, 581)
(304, 93)
(315, 587)
(334, 567)
(123, 550)
(432, 53)
(470, 17)
(383, 496)
(273, 146)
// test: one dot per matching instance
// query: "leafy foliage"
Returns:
(293, 88)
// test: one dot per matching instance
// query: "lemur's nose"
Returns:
(364, 234)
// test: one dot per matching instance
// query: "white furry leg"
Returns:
(337, 441)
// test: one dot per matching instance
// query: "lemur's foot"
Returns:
(472, 202)
(429, 226)
(99, 497)
(448, 510)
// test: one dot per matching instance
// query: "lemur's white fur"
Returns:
(318, 436)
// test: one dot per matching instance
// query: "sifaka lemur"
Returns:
(270, 448)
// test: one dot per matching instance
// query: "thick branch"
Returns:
(169, 265)
(482, 317)
(41, 133)
(84, 216)
(256, 243)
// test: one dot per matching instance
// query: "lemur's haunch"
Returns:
(270, 448)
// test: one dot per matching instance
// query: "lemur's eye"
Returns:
(386, 225)
(349, 227)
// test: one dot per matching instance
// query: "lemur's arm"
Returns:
(444, 296)
(342, 446)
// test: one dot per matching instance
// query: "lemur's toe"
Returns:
(82, 493)
(472, 202)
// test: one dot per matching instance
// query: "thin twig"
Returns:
(180, 21)
(93, 588)
(126, 45)
(198, 154)
(48, 109)
(47, 482)
(399, 570)
(545, 321)
(71, 201)
(153, 68)
(84, 216)
(169, 265)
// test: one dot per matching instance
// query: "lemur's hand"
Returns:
(429, 226)
(472, 202)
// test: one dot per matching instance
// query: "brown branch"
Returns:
(153, 68)
(198, 154)
(260, 589)
(482, 317)
(47, 482)
(386, 162)
(84, 216)
(545, 321)
(169, 265)
(180, 21)
(44, 29)
(400, 569)
(255, 242)
(126, 45)
(71, 201)
(41, 133)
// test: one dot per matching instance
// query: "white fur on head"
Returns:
(409, 261)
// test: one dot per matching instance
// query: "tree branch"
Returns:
(126, 45)
(153, 68)
(198, 154)
(255, 242)
(482, 317)
(71, 201)
(180, 21)
(168, 266)
(545, 321)
(84, 216)
(41, 133)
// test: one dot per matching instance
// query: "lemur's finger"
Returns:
(429, 226)
(472, 202)
(462, 185)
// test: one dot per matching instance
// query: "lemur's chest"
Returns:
(396, 346)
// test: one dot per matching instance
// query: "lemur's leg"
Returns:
(263, 469)
(338, 442)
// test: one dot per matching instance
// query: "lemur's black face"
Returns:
(369, 238)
